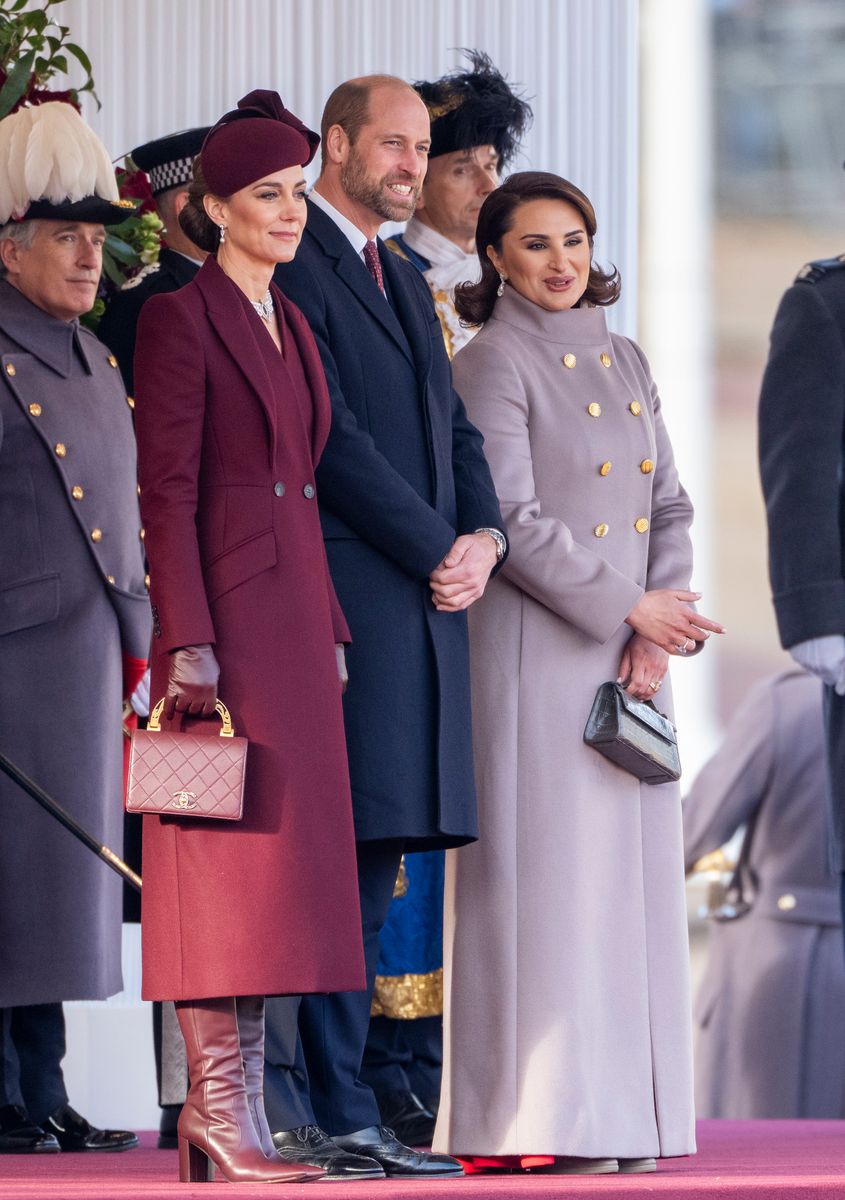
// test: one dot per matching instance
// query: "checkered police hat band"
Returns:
(171, 174)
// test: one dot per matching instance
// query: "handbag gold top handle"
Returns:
(227, 729)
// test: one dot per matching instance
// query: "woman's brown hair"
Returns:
(195, 221)
(475, 301)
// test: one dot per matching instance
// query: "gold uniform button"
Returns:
(594, 409)
(147, 582)
(111, 360)
(10, 369)
(96, 535)
(142, 533)
(605, 468)
(641, 525)
(569, 360)
(130, 400)
(110, 578)
(787, 902)
(601, 530)
(635, 407)
(77, 492)
(35, 410)
(61, 449)
(605, 360)
(646, 466)
(138, 488)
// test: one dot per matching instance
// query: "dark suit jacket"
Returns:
(402, 474)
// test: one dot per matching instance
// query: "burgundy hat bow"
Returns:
(253, 140)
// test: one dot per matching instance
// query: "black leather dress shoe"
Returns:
(73, 1132)
(168, 1137)
(308, 1144)
(407, 1116)
(398, 1161)
(20, 1135)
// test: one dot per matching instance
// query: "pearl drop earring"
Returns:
(222, 229)
(500, 290)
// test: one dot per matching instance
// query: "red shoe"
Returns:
(475, 1164)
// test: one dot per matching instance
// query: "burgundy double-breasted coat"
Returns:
(229, 434)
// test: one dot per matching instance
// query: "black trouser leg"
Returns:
(10, 1074)
(334, 1028)
(286, 1098)
(38, 1033)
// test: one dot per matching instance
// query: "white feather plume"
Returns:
(51, 154)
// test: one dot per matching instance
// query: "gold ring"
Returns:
(655, 685)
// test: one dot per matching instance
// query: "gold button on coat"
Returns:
(646, 466)
(77, 492)
(569, 360)
(110, 578)
(641, 525)
(594, 409)
(605, 360)
(35, 410)
(10, 369)
(635, 407)
(605, 468)
(787, 902)
(130, 401)
(142, 533)
(61, 449)
(601, 530)
(96, 535)
(112, 361)
(147, 582)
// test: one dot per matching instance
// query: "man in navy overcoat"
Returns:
(412, 529)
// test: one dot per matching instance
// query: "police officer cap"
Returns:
(168, 161)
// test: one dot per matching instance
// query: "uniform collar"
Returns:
(48, 339)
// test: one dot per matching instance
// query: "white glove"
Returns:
(824, 657)
(140, 698)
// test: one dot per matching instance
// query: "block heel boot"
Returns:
(215, 1128)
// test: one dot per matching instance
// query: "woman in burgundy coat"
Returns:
(232, 415)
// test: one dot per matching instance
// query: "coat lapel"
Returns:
(312, 366)
(411, 316)
(229, 320)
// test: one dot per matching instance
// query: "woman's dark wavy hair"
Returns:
(475, 301)
(193, 218)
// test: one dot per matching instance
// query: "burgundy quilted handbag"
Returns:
(179, 774)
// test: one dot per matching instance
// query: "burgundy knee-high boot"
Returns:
(216, 1126)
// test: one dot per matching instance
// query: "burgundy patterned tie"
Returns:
(371, 258)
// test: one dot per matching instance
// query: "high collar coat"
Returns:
(571, 906)
(72, 603)
(402, 474)
(228, 443)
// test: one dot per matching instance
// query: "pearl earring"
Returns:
(222, 229)
(500, 290)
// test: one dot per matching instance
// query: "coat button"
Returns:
(96, 535)
(142, 533)
(110, 578)
(641, 525)
(279, 488)
(61, 449)
(594, 409)
(787, 902)
(147, 582)
(111, 360)
(601, 530)
(569, 360)
(35, 410)
(646, 466)
(605, 468)
(605, 360)
(77, 492)
(309, 491)
(10, 369)
(130, 400)
(635, 407)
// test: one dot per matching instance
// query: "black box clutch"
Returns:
(634, 735)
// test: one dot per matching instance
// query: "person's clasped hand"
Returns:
(665, 616)
(643, 667)
(462, 576)
(192, 682)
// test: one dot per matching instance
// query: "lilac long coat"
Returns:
(566, 959)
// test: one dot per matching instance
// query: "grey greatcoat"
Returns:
(72, 601)
(567, 1000)
(768, 1013)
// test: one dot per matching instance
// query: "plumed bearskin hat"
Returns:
(475, 108)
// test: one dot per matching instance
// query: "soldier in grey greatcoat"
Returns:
(74, 614)
(769, 1009)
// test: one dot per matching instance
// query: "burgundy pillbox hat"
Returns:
(256, 138)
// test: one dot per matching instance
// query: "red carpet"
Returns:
(766, 1160)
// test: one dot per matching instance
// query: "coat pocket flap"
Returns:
(234, 567)
(32, 602)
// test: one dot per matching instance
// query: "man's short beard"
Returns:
(366, 190)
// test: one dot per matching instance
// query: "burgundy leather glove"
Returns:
(342, 673)
(192, 682)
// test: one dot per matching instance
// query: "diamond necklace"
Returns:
(264, 307)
